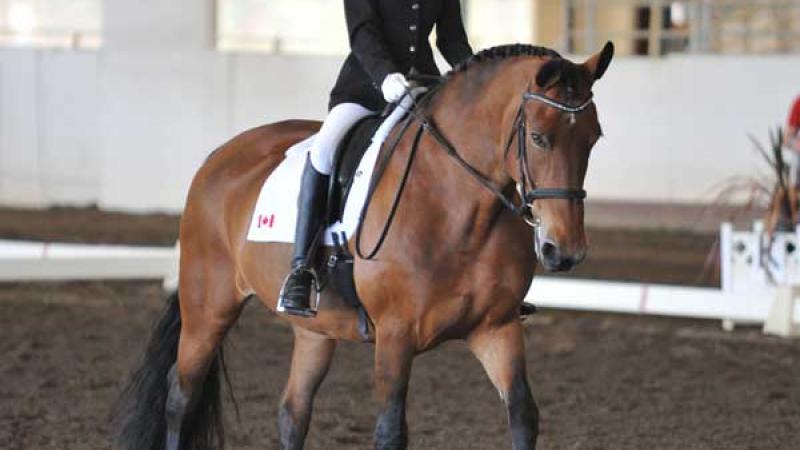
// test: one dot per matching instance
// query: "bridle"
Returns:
(526, 187)
(529, 196)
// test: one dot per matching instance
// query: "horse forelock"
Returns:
(574, 83)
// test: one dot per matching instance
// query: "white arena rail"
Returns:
(746, 297)
(29, 261)
(656, 299)
(760, 284)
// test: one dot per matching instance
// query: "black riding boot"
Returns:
(296, 291)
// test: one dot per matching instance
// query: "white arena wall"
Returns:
(126, 127)
(126, 130)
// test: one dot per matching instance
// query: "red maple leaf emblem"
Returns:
(266, 220)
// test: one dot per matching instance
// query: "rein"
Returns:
(528, 196)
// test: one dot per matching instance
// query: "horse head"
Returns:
(556, 127)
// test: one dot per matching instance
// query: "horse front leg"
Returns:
(393, 357)
(311, 358)
(501, 350)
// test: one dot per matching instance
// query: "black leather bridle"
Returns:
(526, 187)
(529, 196)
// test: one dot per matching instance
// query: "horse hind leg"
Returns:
(192, 410)
(311, 358)
(137, 417)
(176, 404)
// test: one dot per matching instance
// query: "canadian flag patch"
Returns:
(266, 220)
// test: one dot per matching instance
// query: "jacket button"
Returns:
(413, 28)
(412, 49)
(415, 6)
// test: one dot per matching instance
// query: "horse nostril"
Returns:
(549, 251)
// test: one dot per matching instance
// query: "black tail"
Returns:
(138, 417)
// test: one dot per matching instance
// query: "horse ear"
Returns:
(550, 72)
(598, 63)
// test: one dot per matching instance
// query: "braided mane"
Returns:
(501, 52)
(492, 54)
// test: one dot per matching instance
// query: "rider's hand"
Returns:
(394, 87)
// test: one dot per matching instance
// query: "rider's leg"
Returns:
(311, 204)
(338, 122)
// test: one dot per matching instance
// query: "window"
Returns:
(318, 26)
(482, 17)
(658, 27)
(50, 23)
(282, 26)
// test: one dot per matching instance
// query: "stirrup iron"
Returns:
(313, 307)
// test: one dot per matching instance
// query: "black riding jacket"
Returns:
(388, 36)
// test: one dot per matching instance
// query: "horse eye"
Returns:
(539, 141)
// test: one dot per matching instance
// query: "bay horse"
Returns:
(504, 140)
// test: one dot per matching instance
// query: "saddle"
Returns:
(346, 160)
(337, 265)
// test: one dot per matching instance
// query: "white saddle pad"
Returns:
(275, 213)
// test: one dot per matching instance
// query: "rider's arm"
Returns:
(451, 37)
(367, 41)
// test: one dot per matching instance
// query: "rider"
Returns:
(388, 38)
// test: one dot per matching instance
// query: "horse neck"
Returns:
(476, 112)
(477, 124)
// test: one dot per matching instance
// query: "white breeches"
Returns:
(339, 121)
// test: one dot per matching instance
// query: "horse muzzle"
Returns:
(554, 259)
